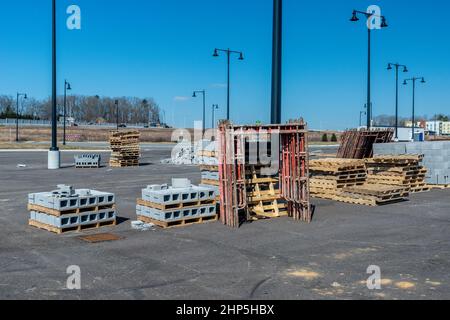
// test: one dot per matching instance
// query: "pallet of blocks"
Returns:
(66, 209)
(179, 205)
(125, 149)
(208, 161)
(398, 170)
(87, 161)
(263, 193)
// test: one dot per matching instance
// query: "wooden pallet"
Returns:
(420, 189)
(215, 183)
(186, 205)
(208, 154)
(81, 228)
(360, 200)
(405, 158)
(59, 213)
(378, 190)
(210, 168)
(439, 186)
(178, 223)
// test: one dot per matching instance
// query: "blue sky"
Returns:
(163, 49)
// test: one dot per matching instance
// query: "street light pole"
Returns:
(53, 154)
(277, 49)
(414, 79)
(66, 87)
(360, 117)
(17, 113)
(117, 113)
(229, 53)
(194, 95)
(384, 24)
(214, 108)
(405, 69)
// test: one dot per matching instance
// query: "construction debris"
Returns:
(179, 205)
(125, 149)
(86, 161)
(398, 170)
(358, 144)
(67, 209)
(345, 180)
(244, 190)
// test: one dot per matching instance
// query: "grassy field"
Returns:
(78, 134)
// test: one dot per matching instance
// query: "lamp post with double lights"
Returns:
(66, 87)
(17, 113)
(229, 53)
(383, 24)
(413, 80)
(194, 95)
(405, 69)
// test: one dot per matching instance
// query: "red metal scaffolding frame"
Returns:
(293, 169)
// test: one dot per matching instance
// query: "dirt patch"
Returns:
(354, 252)
(304, 274)
(405, 285)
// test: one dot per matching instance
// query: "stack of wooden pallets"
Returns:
(263, 193)
(329, 176)
(125, 149)
(398, 170)
(344, 180)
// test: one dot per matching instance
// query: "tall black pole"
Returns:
(396, 102)
(228, 84)
(369, 102)
(64, 112)
(277, 49)
(17, 119)
(54, 116)
(117, 114)
(414, 110)
(204, 111)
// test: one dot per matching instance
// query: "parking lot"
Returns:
(270, 259)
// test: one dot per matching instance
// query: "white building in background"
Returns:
(405, 133)
(434, 126)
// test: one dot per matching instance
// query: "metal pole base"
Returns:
(54, 160)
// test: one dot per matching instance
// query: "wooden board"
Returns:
(56, 230)
(100, 237)
(178, 223)
(186, 205)
(58, 213)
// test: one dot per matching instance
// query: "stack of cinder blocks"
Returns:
(207, 156)
(178, 205)
(436, 157)
(87, 161)
(125, 149)
(67, 209)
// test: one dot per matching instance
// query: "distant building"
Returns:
(405, 133)
(419, 124)
(438, 127)
(434, 126)
(445, 128)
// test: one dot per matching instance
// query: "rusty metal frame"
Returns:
(293, 169)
